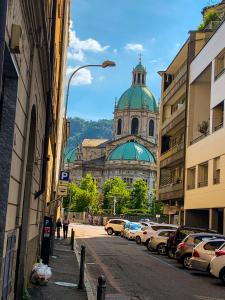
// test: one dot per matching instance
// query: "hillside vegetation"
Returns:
(81, 129)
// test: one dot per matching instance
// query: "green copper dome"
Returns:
(131, 151)
(138, 96)
(70, 156)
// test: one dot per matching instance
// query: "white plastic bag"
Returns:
(40, 273)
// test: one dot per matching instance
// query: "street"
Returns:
(134, 273)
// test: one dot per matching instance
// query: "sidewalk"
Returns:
(65, 269)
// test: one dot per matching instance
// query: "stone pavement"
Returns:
(65, 269)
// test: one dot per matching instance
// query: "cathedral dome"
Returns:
(131, 151)
(138, 96)
(70, 156)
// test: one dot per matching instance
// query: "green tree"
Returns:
(156, 206)
(139, 194)
(210, 16)
(116, 189)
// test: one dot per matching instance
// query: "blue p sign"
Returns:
(64, 175)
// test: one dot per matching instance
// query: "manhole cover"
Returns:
(65, 284)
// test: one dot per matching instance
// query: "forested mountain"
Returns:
(81, 129)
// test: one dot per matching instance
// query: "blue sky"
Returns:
(119, 30)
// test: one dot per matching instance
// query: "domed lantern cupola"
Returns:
(139, 74)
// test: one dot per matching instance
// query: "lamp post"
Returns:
(105, 64)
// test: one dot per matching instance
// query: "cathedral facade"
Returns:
(132, 152)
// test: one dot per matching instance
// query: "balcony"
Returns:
(171, 191)
(191, 186)
(176, 118)
(173, 154)
(175, 86)
(203, 183)
(199, 138)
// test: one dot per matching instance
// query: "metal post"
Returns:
(101, 288)
(72, 239)
(82, 261)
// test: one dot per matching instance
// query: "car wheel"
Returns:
(138, 240)
(170, 253)
(161, 249)
(109, 231)
(186, 262)
(222, 276)
(149, 246)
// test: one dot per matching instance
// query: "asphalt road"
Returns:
(134, 273)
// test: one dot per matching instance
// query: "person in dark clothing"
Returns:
(65, 227)
(58, 228)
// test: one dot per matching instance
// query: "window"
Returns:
(217, 116)
(213, 245)
(191, 178)
(216, 170)
(139, 78)
(203, 174)
(151, 128)
(119, 127)
(134, 126)
(220, 64)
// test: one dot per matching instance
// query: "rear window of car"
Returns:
(155, 227)
(115, 222)
(201, 238)
(135, 226)
(213, 245)
(164, 233)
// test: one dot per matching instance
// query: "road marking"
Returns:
(207, 298)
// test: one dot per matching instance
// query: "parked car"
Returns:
(131, 231)
(217, 264)
(179, 235)
(203, 253)
(185, 248)
(151, 230)
(158, 242)
(114, 226)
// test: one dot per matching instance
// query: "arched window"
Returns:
(119, 127)
(151, 128)
(134, 126)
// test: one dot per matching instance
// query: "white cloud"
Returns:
(78, 47)
(134, 47)
(82, 77)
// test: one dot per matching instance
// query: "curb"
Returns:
(90, 291)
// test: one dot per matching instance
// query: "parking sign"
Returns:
(64, 175)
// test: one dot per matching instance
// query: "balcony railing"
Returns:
(172, 151)
(191, 186)
(216, 180)
(218, 126)
(174, 86)
(203, 183)
(174, 120)
(171, 191)
(199, 138)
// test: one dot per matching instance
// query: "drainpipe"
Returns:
(3, 14)
(48, 106)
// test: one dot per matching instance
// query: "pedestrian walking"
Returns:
(58, 227)
(66, 223)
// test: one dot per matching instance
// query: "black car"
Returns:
(181, 232)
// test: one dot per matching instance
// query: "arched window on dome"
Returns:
(119, 127)
(134, 126)
(151, 128)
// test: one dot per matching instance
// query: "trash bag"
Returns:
(41, 273)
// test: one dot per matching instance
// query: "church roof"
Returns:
(70, 156)
(93, 142)
(131, 151)
(138, 96)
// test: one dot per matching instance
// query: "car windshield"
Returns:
(135, 226)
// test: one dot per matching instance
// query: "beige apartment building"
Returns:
(205, 153)
(172, 125)
(33, 38)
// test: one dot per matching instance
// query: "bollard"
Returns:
(72, 239)
(82, 261)
(101, 288)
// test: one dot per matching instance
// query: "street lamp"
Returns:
(105, 64)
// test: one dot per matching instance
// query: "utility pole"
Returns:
(114, 206)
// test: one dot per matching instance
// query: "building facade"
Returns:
(132, 152)
(205, 153)
(30, 130)
(173, 121)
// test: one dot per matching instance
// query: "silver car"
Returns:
(204, 252)
(159, 240)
